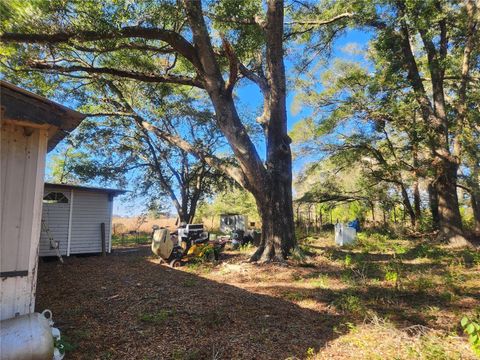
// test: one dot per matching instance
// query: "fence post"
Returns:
(102, 233)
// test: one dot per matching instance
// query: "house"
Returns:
(72, 219)
(31, 125)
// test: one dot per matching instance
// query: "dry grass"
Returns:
(123, 224)
(379, 339)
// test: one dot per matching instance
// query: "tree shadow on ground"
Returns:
(128, 307)
(403, 307)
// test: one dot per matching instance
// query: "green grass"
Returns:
(129, 240)
(157, 317)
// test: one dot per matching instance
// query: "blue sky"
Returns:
(251, 98)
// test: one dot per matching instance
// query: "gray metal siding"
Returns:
(55, 216)
(90, 209)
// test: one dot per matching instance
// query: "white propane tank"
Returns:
(26, 337)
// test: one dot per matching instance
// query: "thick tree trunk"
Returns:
(450, 220)
(475, 198)
(475, 201)
(278, 231)
(433, 203)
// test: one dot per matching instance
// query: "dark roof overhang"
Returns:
(20, 105)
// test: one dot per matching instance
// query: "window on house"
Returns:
(55, 198)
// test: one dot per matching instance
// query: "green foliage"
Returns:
(310, 354)
(322, 281)
(428, 251)
(367, 113)
(64, 345)
(231, 201)
(294, 296)
(350, 304)
(472, 328)
(70, 166)
(348, 260)
(372, 242)
(247, 248)
(391, 276)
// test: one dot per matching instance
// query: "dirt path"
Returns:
(127, 307)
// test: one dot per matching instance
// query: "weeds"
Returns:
(294, 296)
(246, 249)
(393, 272)
(322, 282)
(213, 318)
(64, 344)
(181, 354)
(156, 318)
(298, 255)
(471, 327)
(350, 304)
(380, 339)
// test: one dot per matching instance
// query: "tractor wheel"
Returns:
(175, 263)
(212, 256)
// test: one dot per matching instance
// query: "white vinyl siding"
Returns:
(89, 210)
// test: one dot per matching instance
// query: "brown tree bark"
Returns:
(474, 191)
(408, 206)
(417, 206)
(416, 188)
(475, 201)
(450, 221)
(433, 203)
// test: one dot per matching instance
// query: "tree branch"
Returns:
(174, 39)
(348, 15)
(147, 77)
(234, 172)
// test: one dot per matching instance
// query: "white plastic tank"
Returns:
(344, 235)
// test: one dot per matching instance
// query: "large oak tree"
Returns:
(184, 44)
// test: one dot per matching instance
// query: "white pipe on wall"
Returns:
(70, 223)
